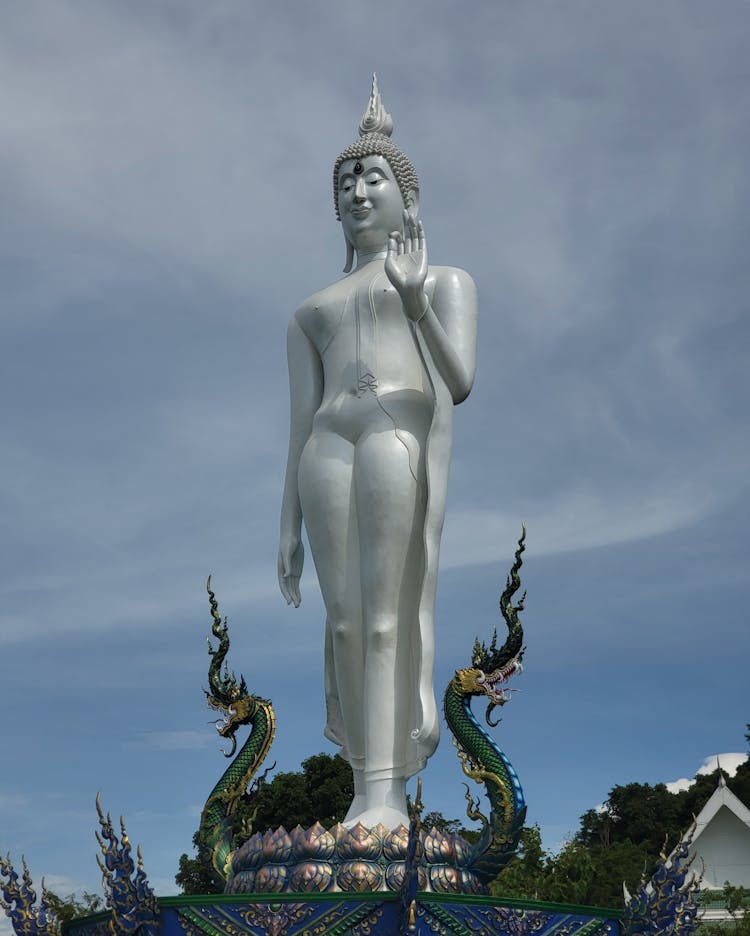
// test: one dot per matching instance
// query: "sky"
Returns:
(166, 206)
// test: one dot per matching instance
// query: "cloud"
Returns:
(62, 884)
(728, 762)
(678, 786)
(127, 591)
(574, 520)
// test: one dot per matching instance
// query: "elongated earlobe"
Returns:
(349, 257)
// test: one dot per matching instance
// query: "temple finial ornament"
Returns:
(376, 118)
(667, 903)
(127, 892)
(18, 900)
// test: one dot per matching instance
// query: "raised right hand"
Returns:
(290, 562)
(406, 266)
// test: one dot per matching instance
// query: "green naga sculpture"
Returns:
(360, 859)
(238, 707)
(481, 758)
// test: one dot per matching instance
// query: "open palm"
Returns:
(406, 265)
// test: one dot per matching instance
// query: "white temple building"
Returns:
(721, 846)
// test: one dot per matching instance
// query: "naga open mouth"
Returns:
(492, 683)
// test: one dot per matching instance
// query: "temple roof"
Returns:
(721, 840)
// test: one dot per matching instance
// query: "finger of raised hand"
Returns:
(413, 232)
(420, 236)
(392, 245)
(408, 246)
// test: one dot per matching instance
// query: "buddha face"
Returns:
(370, 202)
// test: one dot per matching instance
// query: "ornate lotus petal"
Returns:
(438, 847)
(271, 879)
(395, 844)
(249, 854)
(394, 875)
(310, 877)
(462, 851)
(277, 845)
(446, 880)
(315, 842)
(295, 836)
(361, 842)
(471, 884)
(340, 834)
(242, 883)
(359, 876)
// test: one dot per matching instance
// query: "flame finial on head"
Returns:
(376, 118)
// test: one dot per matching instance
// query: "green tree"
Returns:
(637, 813)
(195, 875)
(739, 784)
(322, 792)
(598, 873)
(436, 820)
(72, 907)
(526, 874)
(590, 875)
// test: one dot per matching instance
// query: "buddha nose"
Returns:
(360, 192)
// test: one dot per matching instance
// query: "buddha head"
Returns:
(373, 158)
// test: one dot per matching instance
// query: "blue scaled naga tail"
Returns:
(238, 707)
(481, 759)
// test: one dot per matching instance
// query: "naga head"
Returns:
(492, 666)
(226, 694)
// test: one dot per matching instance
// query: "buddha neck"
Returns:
(364, 257)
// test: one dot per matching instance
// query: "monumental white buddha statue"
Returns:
(376, 362)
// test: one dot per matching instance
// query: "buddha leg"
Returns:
(390, 511)
(325, 487)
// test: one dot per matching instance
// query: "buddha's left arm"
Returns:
(449, 329)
